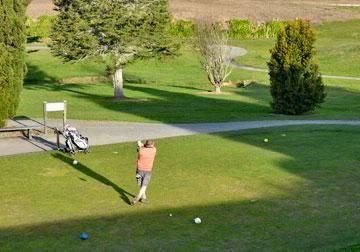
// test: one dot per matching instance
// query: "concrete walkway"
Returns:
(108, 132)
(37, 47)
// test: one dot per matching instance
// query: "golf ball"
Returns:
(197, 220)
(75, 162)
(266, 140)
(84, 236)
(170, 215)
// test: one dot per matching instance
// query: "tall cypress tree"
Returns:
(296, 84)
(118, 31)
(12, 55)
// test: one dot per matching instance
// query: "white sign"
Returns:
(58, 106)
(55, 106)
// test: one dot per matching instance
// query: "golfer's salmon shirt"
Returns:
(146, 158)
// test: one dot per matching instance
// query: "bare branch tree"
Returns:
(212, 41)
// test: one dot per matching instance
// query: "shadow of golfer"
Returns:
(87, 171)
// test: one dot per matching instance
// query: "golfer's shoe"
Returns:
(133, 202)
(146, 201)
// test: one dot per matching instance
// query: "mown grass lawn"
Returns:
(174, 90)
(300, 191)
(337, 44)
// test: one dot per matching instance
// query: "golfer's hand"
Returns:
(139, 144)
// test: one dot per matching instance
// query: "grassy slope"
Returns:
(173, 89)
(338, 48)
(298, 192)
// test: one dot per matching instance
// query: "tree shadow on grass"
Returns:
(35, 75)
(340, 102)
(207, 88)
(319, 210)
(322, 154)
(268, 224)
(182, 104)
(321, 216)
(164, 103)
(87, 171)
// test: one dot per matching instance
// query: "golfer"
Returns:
(144, 165)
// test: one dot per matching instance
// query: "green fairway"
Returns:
(337, 43)
(300, 191)
(173, 90)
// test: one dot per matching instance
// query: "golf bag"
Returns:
(74, 141)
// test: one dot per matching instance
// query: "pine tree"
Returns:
(118, 31)
(296, 84)
(12, 52)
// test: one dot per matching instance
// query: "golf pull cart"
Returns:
(74, 141)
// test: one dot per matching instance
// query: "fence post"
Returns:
(45, 117)
(64, 114)
(57, 138)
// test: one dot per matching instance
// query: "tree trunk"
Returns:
(218, 89)
(118, 83)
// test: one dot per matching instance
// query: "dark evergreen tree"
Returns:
(12, 55)
(296, 84)
(119, 31)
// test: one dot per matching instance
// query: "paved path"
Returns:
(108, 132)
(37, 47)
(345, 5)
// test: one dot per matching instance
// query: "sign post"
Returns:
(51, 107)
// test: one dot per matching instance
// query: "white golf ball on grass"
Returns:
(197, 220)
(75, 162)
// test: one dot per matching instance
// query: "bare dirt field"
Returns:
(263, 10)
(40, 7)
(257, 10)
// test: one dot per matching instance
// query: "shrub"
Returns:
(272, 28)
(268, 29)
(12, 60)
(240, 29)
(296, 85)
(39, 29)
(182, 28)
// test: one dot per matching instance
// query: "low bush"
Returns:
(39, 29)
(241, 29)
(236, 28)
(182, 28)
